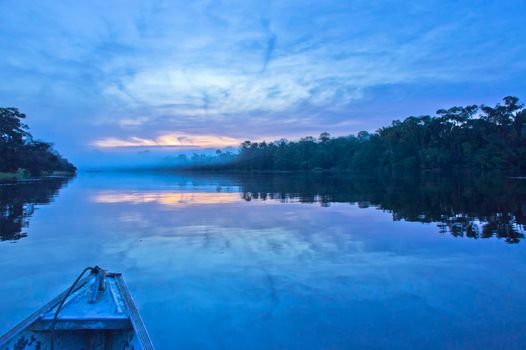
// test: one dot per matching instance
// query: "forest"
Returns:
(469, 137)
(21, 154)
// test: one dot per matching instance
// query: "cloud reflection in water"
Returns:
(167, 198)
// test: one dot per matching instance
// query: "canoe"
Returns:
(96, 312)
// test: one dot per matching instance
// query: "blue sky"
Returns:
(100, 77)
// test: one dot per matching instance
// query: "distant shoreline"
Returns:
(21, 176)
(510, 173)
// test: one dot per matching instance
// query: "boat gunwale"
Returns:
(135, 318)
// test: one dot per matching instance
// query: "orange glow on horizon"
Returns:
(170, 140)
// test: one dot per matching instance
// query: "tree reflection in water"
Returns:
(463, 206)
(18, 202)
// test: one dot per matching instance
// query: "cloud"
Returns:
(169, 140)
(133, 122)
(271, 44)
(184, 92)
(117, 73)
(324, 69)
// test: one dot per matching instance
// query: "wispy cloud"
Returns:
(271, 44)
(170, 140)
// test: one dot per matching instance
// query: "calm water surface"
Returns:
(281, 262)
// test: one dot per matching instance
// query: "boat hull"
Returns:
(112, 322)
(77, 339)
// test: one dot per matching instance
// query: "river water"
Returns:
(281, 261)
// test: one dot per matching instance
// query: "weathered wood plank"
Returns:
(135, 317)
(82, 324)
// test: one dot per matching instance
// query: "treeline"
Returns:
(196, 160)
(470, 137)
(19, 152)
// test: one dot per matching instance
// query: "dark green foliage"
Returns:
(471, 137)
(18, 150)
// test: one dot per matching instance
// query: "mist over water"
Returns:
(143, 158)
(281, 261)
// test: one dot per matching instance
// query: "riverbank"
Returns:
(21, 176)
(10, 176)
(509, 173)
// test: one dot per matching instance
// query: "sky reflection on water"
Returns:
(167, 198)
(236, 263)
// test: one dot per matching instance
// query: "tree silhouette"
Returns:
(18, 149)
(470, 137)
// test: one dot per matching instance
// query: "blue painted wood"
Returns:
(108, 321)
(135, 317)
(77, 324)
